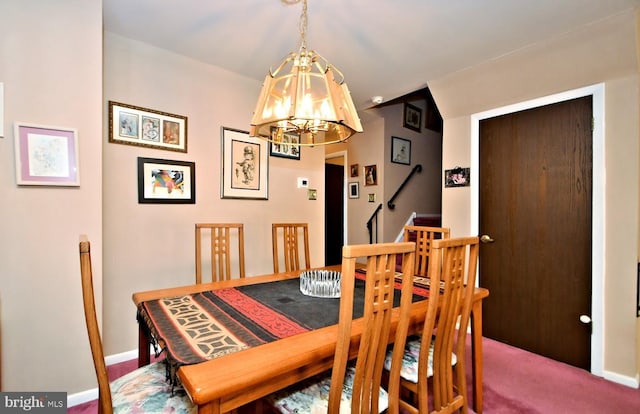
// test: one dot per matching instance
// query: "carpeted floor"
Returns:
(516, 382)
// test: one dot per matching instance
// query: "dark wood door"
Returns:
(334, 214)
(535, 203)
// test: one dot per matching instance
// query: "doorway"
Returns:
(595, 222)
(334, 211)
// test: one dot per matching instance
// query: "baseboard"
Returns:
(92, 394)
(622, 379)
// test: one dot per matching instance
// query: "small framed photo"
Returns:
(166, 182)
(245, 166)
(354, 169)
(400, 151)
(370, 175)
(457, 177)
(412, 117)
(354, 190)
(46, 155)
(284, 144)
(134, 125)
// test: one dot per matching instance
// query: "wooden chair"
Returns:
(291, 233)
(453, 266)
(423, 237)
(220, 247)
(144, 390)
(356, 387)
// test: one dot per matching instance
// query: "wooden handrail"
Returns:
(370, 223)
(417, 168)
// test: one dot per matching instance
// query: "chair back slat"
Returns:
(287, 236)
(218, 240)
(378, 307)
(424, 236)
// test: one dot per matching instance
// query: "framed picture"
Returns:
(412, 117)
(245, 165)
(370, 175)
(400, 151)
(284, 144)
(166, 182)
(354, 190)
(354, 169)
(46, 155)
(457, 177)
(133, 125)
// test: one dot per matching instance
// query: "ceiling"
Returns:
(384, 47)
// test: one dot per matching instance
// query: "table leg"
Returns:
(211, 408)
(144, 352)
(476, 354)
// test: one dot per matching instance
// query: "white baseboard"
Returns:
(622, 379)
(92, 394)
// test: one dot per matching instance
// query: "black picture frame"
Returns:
(166, 182)
(412, 117)
(284, 144)
(244, 166)
(400, 151)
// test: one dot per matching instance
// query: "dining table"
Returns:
(231, 342)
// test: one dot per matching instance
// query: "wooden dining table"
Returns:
(229, 381)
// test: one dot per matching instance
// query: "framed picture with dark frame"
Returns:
(354, 169)
(134, 125)
(46, 155)
(457, 177)
(370, 175)
(400, 151)
(354, 190)
(166, 181)
(412, 117)
(245, 166)
(284, 144)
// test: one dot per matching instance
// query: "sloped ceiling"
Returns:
(383, 47)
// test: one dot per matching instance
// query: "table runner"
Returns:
(206, 325)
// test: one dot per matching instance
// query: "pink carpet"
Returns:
(515, 382)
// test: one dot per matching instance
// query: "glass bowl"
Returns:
(320, 283)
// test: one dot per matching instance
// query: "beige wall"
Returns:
(150, 246)
(602, 53)
(51, 64)
(51, 67)
(363, 149)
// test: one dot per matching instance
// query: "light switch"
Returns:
(303, 182)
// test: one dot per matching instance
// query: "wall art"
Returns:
(134, 125)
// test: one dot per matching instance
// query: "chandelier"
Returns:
(305, 96)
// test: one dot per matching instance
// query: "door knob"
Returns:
(485, 238)
(585, 319)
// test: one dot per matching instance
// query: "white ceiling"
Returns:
(383, 47)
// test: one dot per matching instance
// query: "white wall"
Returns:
(51, 67)
(603, 52)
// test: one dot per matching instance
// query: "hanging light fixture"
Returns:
(305, 95)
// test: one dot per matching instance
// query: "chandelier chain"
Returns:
(303, 25)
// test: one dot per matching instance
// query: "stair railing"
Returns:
(417, 168)
(374, 217)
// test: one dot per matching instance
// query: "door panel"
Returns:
(535, 203)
